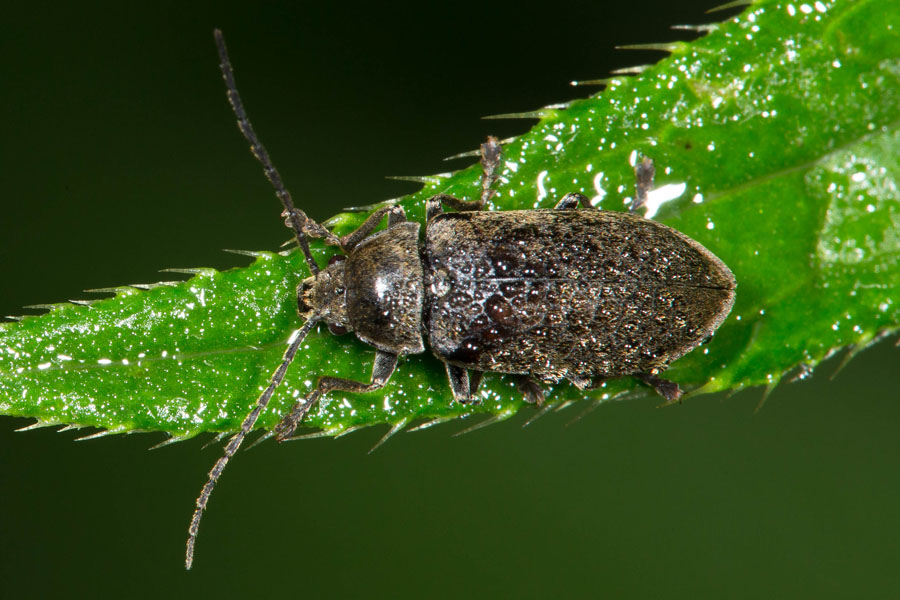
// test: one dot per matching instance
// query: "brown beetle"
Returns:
(545, 295)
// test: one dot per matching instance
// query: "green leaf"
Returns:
(777, 132)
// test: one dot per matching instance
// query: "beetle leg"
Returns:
(396, 214)
(434, 205)
(474, 382)
(572, 200)
(296, 219)
(582, 383)
(461, 384)
(643, 183)
(534, 393)
(490, 160)
(384, 366)
(596, 382)
(667, 389)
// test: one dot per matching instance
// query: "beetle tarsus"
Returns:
(644, 172)
(580, 381)
(463, 384)
(385, 364)
(667, 389)
(534, 393)
(285, 429)
(490, 160)
(474, 382)
(434, 205)
(572, 200)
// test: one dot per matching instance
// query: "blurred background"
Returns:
(119, 157)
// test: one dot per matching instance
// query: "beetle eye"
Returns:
(336, 259)
(336, 329)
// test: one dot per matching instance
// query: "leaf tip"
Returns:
(172, 439)
(543, 411)
(122, 289)
(150, 286)
(496, 418)
(82, 302)
(250, 253)
(667, 47)
(99, 434)
(699, 28)
(398, 426)
(604, 81)
(530, 114)
(591, 408)
(727, 5)
(423, 179)
(198, 271)
(38, 424)
(632, 70)
(429, 424)
(766, 393)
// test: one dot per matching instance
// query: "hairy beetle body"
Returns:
(573, 294)
(543, 295)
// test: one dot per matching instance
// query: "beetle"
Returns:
(543, 295)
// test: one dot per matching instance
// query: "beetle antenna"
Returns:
(296, 218)
(238, 438)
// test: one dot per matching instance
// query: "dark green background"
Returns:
(119, 157)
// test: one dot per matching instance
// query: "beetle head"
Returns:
(323, 297)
